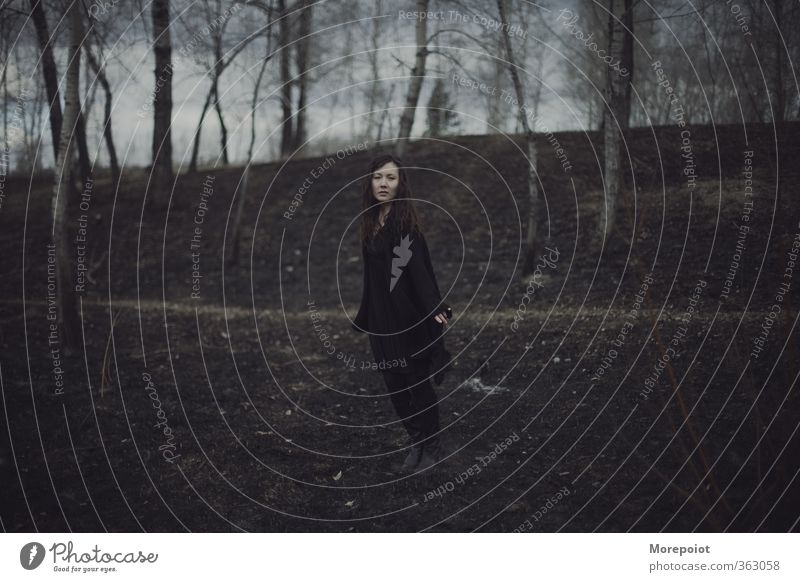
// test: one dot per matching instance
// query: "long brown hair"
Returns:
(403, 217)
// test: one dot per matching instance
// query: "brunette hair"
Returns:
(403, 217)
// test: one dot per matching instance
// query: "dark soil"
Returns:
(271, 432)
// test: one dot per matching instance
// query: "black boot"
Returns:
(433, 451)
(411, 461)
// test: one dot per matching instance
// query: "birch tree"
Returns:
(287, 127)
(415, 84)
(67, 307)
(530, 143)
(617, 111)
(162, 103)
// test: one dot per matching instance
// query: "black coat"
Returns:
(399, 315)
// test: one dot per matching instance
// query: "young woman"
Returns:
(402, 309)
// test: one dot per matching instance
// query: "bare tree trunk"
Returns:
(67, 307)
(376, 86)
(415, 87)
(196, 145)
(51, 84)
(215, 73)
(236, 230)
(223, 130)
(780, 94)
(287, 130)
(219, 67)
(626, 62)
(495, 109)
(49, 72)
(84, 164)
(530, 140)
(162, 104)
(302, 65)
(386, 119)
(617, 110)
(107, 133)
(4, 156)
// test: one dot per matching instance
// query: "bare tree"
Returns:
(415, 84)
(442, 118)
(49, 71)
(84, 162)
(29, 157)
(162, 103)
(618, 92)
(236, 229)
(218, 66)
(530, 141)
(303, 45)
(223, 129)
(284, 31)
(778, 89)
(5, 30)
(375, 88)
(108, 136)
(67, 307)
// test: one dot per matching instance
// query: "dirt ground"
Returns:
(220, 407)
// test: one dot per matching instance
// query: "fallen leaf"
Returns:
(337, 476)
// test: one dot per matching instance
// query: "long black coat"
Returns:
(398, 308)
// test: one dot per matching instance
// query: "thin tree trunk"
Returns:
(215, 74)
(626, 62)
(66, 300)
(236, 233)
(302, 66)
(219, 67)
(287, 131)
(84, 164)
(617, 110)
(386, 119)
(4, 161)
(162, 104)
(780, 94)
(49, 72)
(223, 130)
(196, 145)
(108, 135)
(530, 141)
(415, 86)
(375, 87)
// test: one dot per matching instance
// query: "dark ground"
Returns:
(274, 434)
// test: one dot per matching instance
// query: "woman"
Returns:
(402, 309)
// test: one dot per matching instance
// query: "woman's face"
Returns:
(384, 182)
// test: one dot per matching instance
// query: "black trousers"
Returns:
(415, 401)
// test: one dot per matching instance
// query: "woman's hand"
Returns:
(441, 318)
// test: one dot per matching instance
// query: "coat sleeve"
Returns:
(423, 279)
(360, 322)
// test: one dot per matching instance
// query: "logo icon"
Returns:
(402, 256)
(31, 555)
